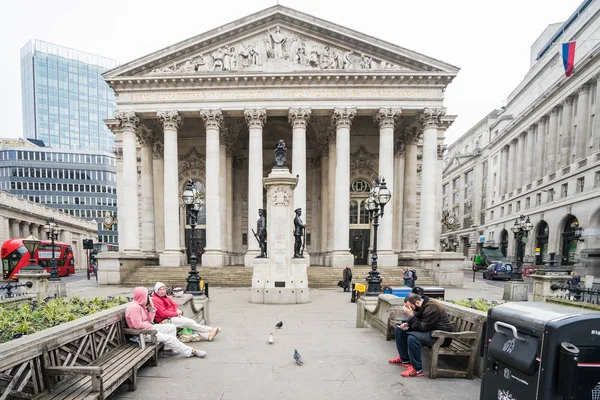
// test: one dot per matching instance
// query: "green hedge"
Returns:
(479, 304)
(27, 318)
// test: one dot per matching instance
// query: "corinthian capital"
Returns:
(158, 150)
(410, 135)
(213, 119)
(128, 120)
(255, 117)
(145, 137)
(343, 117)
(170, 119)
(430, 117)
(568, 101)
(554, 111)
(298, 117)
(387, 117)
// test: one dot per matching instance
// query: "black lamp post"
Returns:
(193, 204)
(52, 231)
(32, 244)
(521, 230)
(378, 197)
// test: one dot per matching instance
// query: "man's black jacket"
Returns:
(430, 317)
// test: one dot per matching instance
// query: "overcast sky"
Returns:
(488, 40)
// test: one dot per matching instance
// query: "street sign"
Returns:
(481, 239)
(538, 251)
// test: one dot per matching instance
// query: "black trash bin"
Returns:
(541, 351)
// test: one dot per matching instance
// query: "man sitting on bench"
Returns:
(168, 312)
(425, 315)
(140, 314)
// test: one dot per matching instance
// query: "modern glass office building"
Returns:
(65, 98)
(80, 183)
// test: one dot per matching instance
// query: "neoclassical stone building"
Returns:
(212, 108)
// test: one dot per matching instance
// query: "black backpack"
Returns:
(414, 274)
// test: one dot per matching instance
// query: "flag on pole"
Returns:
(568, 55)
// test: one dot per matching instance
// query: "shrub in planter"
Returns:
(479, 304)
(27, 318)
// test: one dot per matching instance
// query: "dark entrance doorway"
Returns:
(200, 244)
(504, 242)
(541, 242)
(359, 245)
(569, 242)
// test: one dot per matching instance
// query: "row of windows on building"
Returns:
(564, 192)
(58, 157)
(76, 200)
(58, 187)
(56, 173)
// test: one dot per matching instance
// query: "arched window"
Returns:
(364, 214)
(353, 211)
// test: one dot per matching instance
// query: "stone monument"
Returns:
(280, 278)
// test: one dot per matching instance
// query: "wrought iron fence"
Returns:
(578, 293)
(9, 286)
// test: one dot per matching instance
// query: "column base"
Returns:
(249, 257)
(341, 258)
(515, 291)
(387, 258)
(212, 258)
(408, 258)
(171, 259)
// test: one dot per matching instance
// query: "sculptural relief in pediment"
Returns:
(277, 49)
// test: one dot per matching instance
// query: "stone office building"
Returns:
(212, 108)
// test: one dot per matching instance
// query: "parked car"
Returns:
(498, 271)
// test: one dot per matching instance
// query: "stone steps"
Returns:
(236, 276)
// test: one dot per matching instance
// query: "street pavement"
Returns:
(340, 360)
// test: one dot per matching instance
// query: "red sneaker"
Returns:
(399, 361)
(412, 373)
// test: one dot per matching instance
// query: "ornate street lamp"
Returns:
(378, 197)
(521, 230)
(193, 204)
(52, 231)
(32, 244)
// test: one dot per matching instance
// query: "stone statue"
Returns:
(218, 56)
(280, 153)
(261, 233)
(347, 60)
(299, 235)
(278, 41)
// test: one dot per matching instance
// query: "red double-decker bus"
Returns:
(15, 256)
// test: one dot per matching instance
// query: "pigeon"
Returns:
(298, 358)
(271, 338)
(279, 325)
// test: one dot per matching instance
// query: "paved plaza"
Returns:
(340, 361)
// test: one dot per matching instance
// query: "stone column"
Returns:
(298, 118)
(596, 132)
(5, 229)
(324, 197)
(341, 256)
(129, 238)
(15, 231)
(529, 153)
(549, 156)
(583, 116)
(229, 183)
(331, 196)
(565, 132)
(224, 204)
(512, 165)
(430, 121)
(398, 198)
(158, 175)
(256, 119)
(385, 119)
(409, 194)
(146, 139)
(502, 172)
(213, 256)
(520, 161)
(172, 255)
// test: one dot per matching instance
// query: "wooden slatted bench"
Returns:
(104, 375)
(468, 328)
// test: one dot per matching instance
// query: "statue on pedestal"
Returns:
(261, 233)
(299, 235)
(280, 155)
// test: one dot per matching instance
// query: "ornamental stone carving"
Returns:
(192, 160)
(118, 150)
(554, 111)
(280, 196)
(170, 119)
(386, 117)
(158, 150)
(145, 137)
(256, 117)
(128, 120)
(298, 117)
(362, 162)
(343, 117)
(213, 119)
(410, 135)
(568, 101)
(276, 47)
(431, 117)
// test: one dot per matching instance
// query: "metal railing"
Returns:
(8, 288)
(578, 293)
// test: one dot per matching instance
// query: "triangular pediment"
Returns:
(280, 40)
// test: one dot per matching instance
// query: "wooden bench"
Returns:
(102, 376)
(465, 340)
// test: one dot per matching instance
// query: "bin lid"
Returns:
(536, 314)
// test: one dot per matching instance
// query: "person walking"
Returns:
(409, 277)
(347, 277)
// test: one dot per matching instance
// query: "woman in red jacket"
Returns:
(167, 311)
